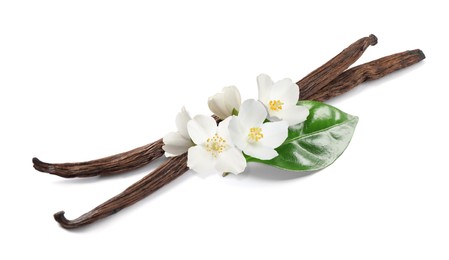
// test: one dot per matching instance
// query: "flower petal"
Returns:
(181, 122)
(294, 114)
(252, 113)
(231, 160)
(217, 105)
(238, 133)
(274, 115)
(286, 91)
(264, 83)
(223, 130)
(260, 152)
(200, 128)
(274, 134)
(200, 160)
(232, 99)
(175, 144)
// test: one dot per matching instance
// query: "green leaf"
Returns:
(316, 143)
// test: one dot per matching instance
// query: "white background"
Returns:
(81, 80)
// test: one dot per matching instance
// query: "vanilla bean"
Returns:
(366, 72)
(317, 79)
(114, 164)
(168, 171)
(141, 156)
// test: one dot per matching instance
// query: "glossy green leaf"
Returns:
(316, 143)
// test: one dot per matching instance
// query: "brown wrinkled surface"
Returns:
(114, 164)
(319, 78)
(164, 174)
(366, 72)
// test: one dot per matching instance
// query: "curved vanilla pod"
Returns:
(143, 155)
(366, 72)
(176, 166)
(110, 165)
(165, 173)
(317, 79)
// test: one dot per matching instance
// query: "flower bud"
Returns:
(222, 104)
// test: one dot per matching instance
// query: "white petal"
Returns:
(252, 113)
(274, 134)
(261, 152)
(294, 114)
(286, 91)
(200, 160)
(238, 134)
(264, 84)
(223, 130)
(231, 98)
(175, 144)
(274, 115)
(217, 105)
(201, 127)
(181, 122)
(231, 160)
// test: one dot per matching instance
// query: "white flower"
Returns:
(177, 143)
(280, 99)
(251, 135)
(222, 104)
(214, 148)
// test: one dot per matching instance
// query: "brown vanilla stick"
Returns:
(320, 77)
(366, 72)
(110, 165)
(176, 166)
(141, 156)
(168, 171)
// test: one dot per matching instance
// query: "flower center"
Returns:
(255, 134)
(275, 105)
(215, 145)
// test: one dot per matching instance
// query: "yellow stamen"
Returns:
(215, 145)
(275, 105)
(255, 134)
